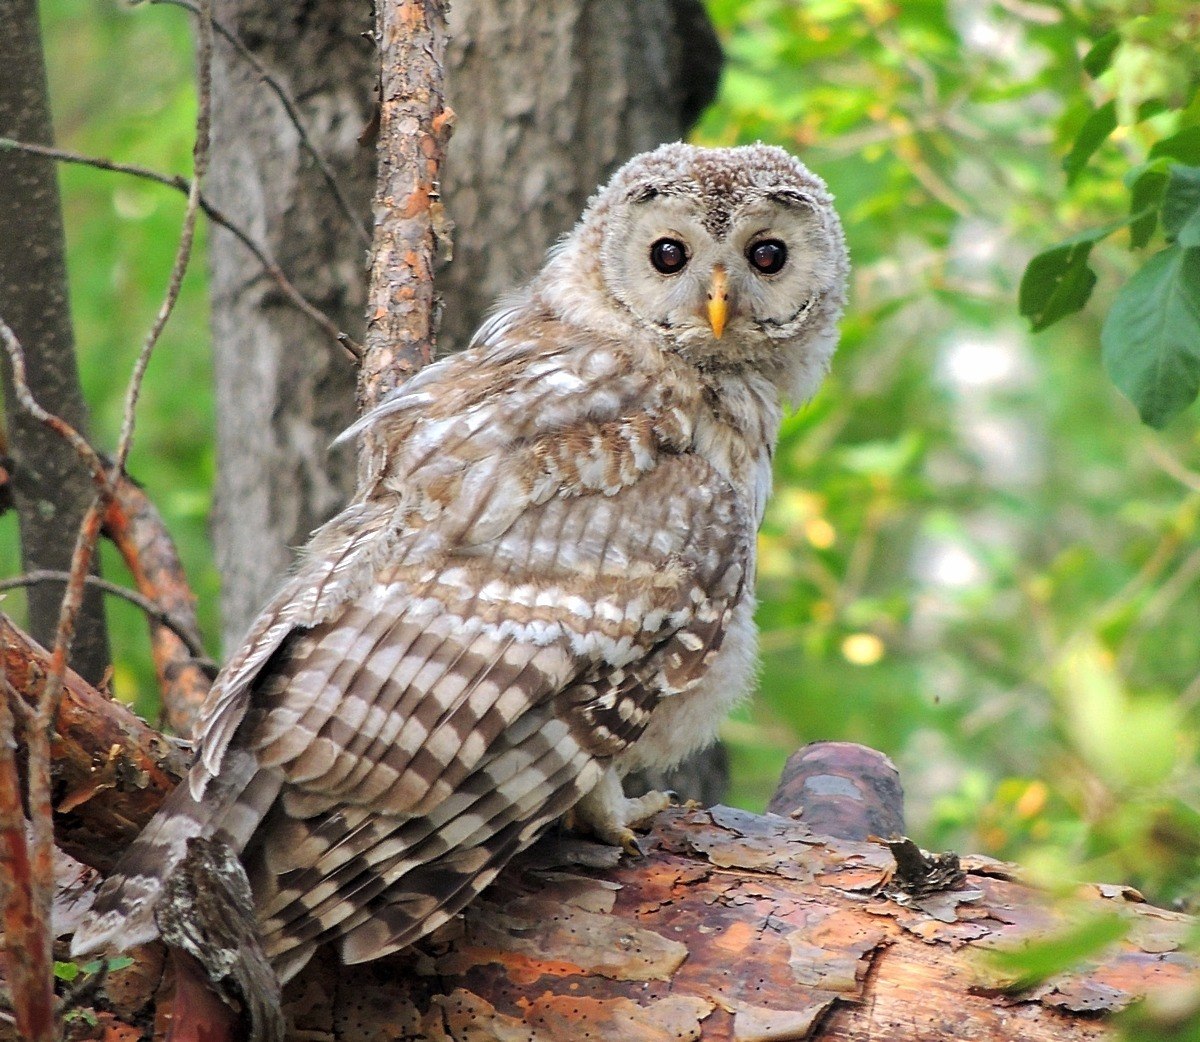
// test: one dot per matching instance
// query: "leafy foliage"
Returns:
(1152, 335)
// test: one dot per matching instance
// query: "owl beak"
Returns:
(718, 301)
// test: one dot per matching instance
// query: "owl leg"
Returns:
(609, 815)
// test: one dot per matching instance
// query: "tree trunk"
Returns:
(549, 98)
(51, 486)
(283, 389)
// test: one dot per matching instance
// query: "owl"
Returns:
(544, 582)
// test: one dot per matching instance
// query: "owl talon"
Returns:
(632, 845)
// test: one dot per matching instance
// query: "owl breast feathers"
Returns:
(544, 582)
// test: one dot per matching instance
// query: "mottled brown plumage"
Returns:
(544, 582)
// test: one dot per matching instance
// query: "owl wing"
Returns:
(444, 719)
(539, 559)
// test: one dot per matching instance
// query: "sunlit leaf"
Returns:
(1093, 133)
(66, 971)
(1151, 338)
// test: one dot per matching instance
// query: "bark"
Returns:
(531, 142)
(51, 486)
(283, 389)
(111, 770)
(551, 98)
(734, 926)
(414, 126)
(136, 527)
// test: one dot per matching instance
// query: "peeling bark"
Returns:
(111, 769)
(734, 927)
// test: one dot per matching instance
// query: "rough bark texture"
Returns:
(283, 389)
(410, 222)
(734, 927)
(51, 486)
(111, 770)
(549, 99)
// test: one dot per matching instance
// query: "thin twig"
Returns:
(214, 214)
(293, 112)
(187, 235)
(152, 610)
(16, 357)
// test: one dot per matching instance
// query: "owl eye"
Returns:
(768, 256)
(668, 256)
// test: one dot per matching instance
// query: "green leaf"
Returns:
(1095, 129)
(1151, 338)
(1184, 146)
(1056, 283)
(1146, 185)
(1181, 205)
(118, 963)
(67, 971)
(1098, 58)
(1046, 957)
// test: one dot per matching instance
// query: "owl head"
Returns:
(732, 257)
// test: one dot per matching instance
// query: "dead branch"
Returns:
(111, 769)
(842, 789)
(152, 611)
(184, 674)
(214, 214)
(410, 223)
(31, 990)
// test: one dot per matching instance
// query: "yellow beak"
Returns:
(718, 301)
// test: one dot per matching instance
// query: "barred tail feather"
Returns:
(123, 913)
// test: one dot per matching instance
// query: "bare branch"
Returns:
(16, 356)
(135, 526)
(111, 769)
(293, 111)
(414, 127)
(187, 237)
(214, 214)
(151, 610)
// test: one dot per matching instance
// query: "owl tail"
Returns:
(122, 914)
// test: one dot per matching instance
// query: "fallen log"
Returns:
(734, 926)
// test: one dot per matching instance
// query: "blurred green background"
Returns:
(977, 559)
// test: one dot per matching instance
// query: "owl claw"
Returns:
(632, 845)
